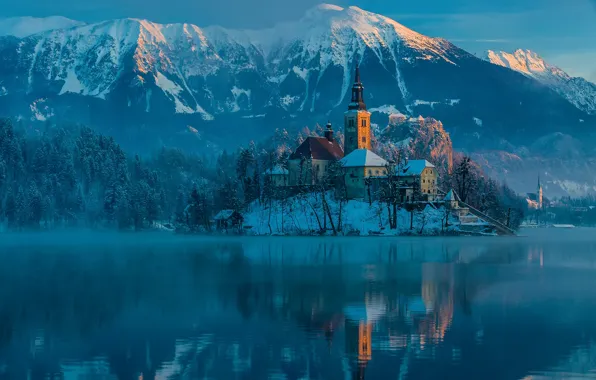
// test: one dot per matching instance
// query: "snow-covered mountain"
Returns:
(146, 82)
(578, 91)
(25, 26)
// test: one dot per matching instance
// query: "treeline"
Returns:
(73, 176)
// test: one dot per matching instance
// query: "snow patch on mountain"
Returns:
(578, 91)
(238, 92)
(172, 90)
(431, 104)
(40, 111)
(302, 73)
(288, 101)
(71, 84)
(386, 109)
(21, 27)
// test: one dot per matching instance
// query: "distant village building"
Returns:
(536, 200)
(309, 163)
(363, 170)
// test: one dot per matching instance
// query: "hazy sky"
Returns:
(562, 31)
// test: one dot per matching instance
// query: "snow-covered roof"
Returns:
(224, 215)
(277, 170)
(318, 148)
(415, 167)
(451, 196)
(362, 158)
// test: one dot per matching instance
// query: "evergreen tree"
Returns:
(35, 206)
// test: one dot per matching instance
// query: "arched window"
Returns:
(364, 122)
(363, 139)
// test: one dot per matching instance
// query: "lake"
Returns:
(153, 306)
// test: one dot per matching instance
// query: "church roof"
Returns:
(362, 158)
(318, 148)
(416, 167)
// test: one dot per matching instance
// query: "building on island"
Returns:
(451, 200)
(423, 175)
(363, 171)
(308, 164)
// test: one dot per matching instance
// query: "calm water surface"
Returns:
(159, 307)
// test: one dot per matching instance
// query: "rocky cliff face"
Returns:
(151, 83)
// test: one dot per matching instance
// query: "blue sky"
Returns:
(562, 31)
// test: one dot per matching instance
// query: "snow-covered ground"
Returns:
(303, 214)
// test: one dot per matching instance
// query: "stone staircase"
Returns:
(469, 216)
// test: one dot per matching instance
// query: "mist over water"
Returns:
(107, 305)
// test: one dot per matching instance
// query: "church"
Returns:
(310, 162)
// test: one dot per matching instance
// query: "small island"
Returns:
(324, 187)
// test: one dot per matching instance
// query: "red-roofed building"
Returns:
(309, 162)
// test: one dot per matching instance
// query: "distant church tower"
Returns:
(357, 132)
(539, 194)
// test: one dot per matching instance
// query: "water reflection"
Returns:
(297, 309)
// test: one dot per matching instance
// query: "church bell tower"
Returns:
(357, 119)
(539, 195)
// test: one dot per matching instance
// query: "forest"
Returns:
(72, 176)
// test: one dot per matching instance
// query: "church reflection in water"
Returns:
(263, 309)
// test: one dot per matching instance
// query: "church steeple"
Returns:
(357, 133)
(539, 195)
(357, 102)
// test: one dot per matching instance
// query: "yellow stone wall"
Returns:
(428, 182)
(357, 131)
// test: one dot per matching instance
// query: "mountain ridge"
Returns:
(578, 91)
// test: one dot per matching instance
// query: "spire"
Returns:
(357, 102)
